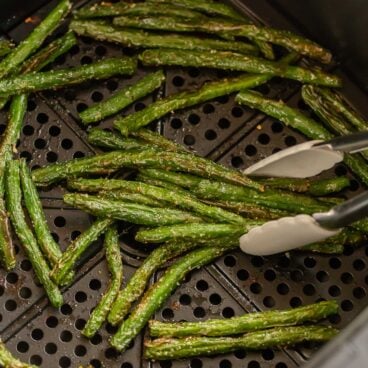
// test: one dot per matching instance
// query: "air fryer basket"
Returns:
(221, 130)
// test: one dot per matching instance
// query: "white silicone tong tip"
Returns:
(300, 161)
(283, 235)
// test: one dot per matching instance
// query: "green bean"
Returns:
(166, 348)
(194, 232)
(286, 39)
(35, 39)
(127, 196)
(112, 161)
(181, 100)
(123, 98)
(132, 212)
(138, 282)
(290, 116)
(160, 291)
(319, 187)
(61, 270)
(5, 47)
(60, 78)
(44, 57)
(341, 107)
(356, 162)
(99, 314)
(205, 6)
(104, 31)
(102, 10)
(101, 138)
(25, 235)
(177, 199)
(158, 140)
(246, 323)
(17, 111)
(228, 60)
(46, 242)
(7, 360)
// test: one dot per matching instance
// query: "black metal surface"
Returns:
(220, 130)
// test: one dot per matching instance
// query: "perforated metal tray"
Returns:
(221, 130)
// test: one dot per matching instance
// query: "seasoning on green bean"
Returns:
(115, 265)
(195, 231)
(142, 9)
(25, 235)
(123, 98)
(35, 39)
(112, 161)
(138, 282)
(66, 263)
(177, 199)
(5, 47)
(166, 348)
(227, 60)
(132, 212)
(104, 31)
(245, 323)
(160, 291)
(46, 242)
(17, 111)
(64, 77)
(208, 91)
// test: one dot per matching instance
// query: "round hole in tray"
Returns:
(168, 313)
(25, 292)
(237, 112)
(264, 138)
(139, 106)
(283, 288)
(240, 354)
(12, 278)
(176, 123)
(97, 96)
(295, 302)
(225, 364)
(42, 118)
(51, 157)
(59, 221)
(270, 275)
(281, 365)
(194, 119)
(253, 364)
(322, 276)
(224, 123)
(334, 291)
(66, 309)
(27, 130)
(268, 354)
(80, 297)
(67, 143)
(196, 363)
(269, 301)
(80, 323)
(277, 127)
(250, 150)
(10, 305)
(228, 312)
(199, 312)
(347, 278)
(95, 284)
(95, 363)
(66, 336)
(36, 360)
(54, 131)
(50, 348)
(100, 50)
(189, 140)
(22, 346)
(74, 234)
(215, 299)
(178, 81)
(309, 290)
(65, 362)
(96, 339)
(52, 322)
(255, 288)
(81, 107)
(237, 162)
(347, 305)
(37, 334)
(242, 275)
(126, 365)
(202, 285)
(230, 261)
(80, 350)
(185, 299)
(208, 108)
(210, 135)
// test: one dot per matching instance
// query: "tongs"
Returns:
(301, 161)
